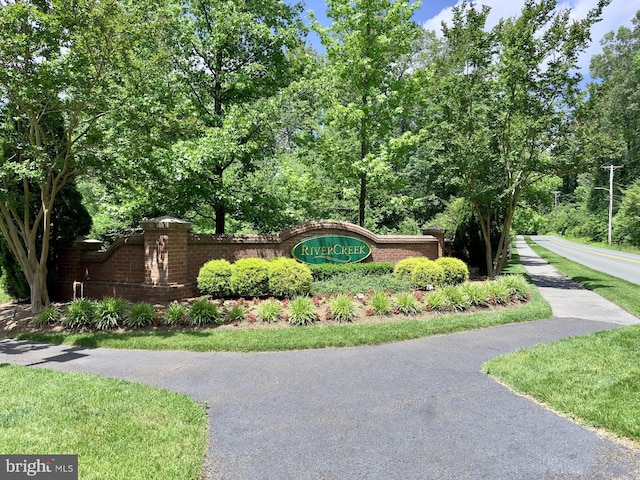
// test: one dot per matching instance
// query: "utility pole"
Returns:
(556, 195)
(611, 169)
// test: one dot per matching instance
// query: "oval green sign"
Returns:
(331, 249)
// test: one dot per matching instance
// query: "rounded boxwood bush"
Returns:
(289, 278)
(403, 270)
(455, 270)
(214, 278)
(427, 273)
(250, 277)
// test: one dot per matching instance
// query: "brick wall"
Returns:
(162, 264)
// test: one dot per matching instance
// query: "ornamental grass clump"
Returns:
(438, 301)
(111, 313)
(47, 316)
(497, 292)
(476, 293)
(236, 313)
(214, 278)
(380, 303)
(203, 312)
(455, 270)
(458, 300)
(517, 286)
(269, 311)
(140, 315)
(342, 308)
(407, 303)
(302, 311)
(289, 278)
(80, 313)
(176, 314)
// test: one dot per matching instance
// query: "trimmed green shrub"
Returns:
(427, 273)
(403, 270)
(301, 311)
(325, 271)
(455, 270)
(250, 277)
(111, 312)
(203, 312)
(214, 278)
(140, 315)
(288, 278)
(342, 308)
(176, 314)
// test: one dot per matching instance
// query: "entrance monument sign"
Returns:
(331, 249)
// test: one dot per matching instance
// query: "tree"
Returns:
(60, 66)
(364, 45)
(232, 57)
(501, 104)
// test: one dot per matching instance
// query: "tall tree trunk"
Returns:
(484, 219)
(221, 213)
(39, 290)
(362, 199)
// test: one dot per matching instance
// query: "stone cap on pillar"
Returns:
(433, 230)
(165, 223)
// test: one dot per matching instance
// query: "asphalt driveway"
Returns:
(419, 409)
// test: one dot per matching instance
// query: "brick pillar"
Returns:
(165, 251)
(438, 233)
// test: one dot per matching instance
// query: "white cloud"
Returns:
(618, 13)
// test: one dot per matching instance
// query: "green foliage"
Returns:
(140, 315)
(407, 303)
(517, 286)
(111, 313)
(269, 310)
(176, 314)
(381, 303)
(403, 270)
(325, 271)
(236, 313)
(214, 278)
(457, 297)
(498, 292)
(82, 312)
(342, 308)
(302, 311)
(47, 316)
(455, 270)
(288, 278)
(438, 301)
(428, 273)
(476, 293)
(626, 224)
(357, 283)
(250, 277)
(203, 312)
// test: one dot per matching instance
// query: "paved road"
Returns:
(420, 409)
(618, 264)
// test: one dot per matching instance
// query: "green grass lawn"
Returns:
(118, 429)
(594, 379)
(4, 298)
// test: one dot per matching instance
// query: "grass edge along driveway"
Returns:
(593, 379)
(118, 429)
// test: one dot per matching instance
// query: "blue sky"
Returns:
(432, 12)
